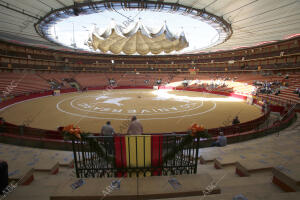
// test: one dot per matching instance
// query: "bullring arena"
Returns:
(214, 84)
(160, 111)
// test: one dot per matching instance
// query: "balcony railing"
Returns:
(139, 155)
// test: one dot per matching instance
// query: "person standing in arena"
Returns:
(135, 127)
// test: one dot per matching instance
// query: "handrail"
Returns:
(139, 155)
(288, 112)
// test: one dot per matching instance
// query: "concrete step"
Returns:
(287, 176)
(42, 187)
(247, 195)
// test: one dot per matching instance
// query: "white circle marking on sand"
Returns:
(187, 110)
(93, 117)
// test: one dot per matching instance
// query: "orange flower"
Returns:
(194, 125)
(196, 128)
(73, 130)
(68, 128)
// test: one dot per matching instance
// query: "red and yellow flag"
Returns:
(138, 151)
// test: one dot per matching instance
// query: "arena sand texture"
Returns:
(159, 111)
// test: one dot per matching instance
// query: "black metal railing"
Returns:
(140, 155)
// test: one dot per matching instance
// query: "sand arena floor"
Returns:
(158, 110)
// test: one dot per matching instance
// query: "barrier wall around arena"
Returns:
(27, 136)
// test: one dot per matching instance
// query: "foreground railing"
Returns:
(140, 155)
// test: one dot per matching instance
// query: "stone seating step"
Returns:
(248, 195)
(137, 188)
(287, 176)
(231, 159)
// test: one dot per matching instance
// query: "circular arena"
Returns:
(214, 85)
(160, 111)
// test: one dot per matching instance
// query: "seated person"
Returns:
(235, 120)
(185, 83)
(262, 90)
(158, 82)
(286, 76)
(268, 90)
(221, 141)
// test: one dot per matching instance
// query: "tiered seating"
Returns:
(268, 166)
(294, 82)
(30, 82)
(278, 154)
(91, 79)
(272, 164)
(138, 188)
(58, 76)
(21, 83)
(249, 195)
(127, 79)
(23, 162)
(287, 94)
(287, 176)
(137, 79)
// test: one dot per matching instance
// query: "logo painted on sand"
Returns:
(116, 104)
(138, 111)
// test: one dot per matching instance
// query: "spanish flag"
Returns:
(138, 151)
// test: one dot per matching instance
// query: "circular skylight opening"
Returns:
(74, 27)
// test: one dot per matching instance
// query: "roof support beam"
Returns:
(19, 11)
(61, 3)
(45, 4)
(210, 4)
